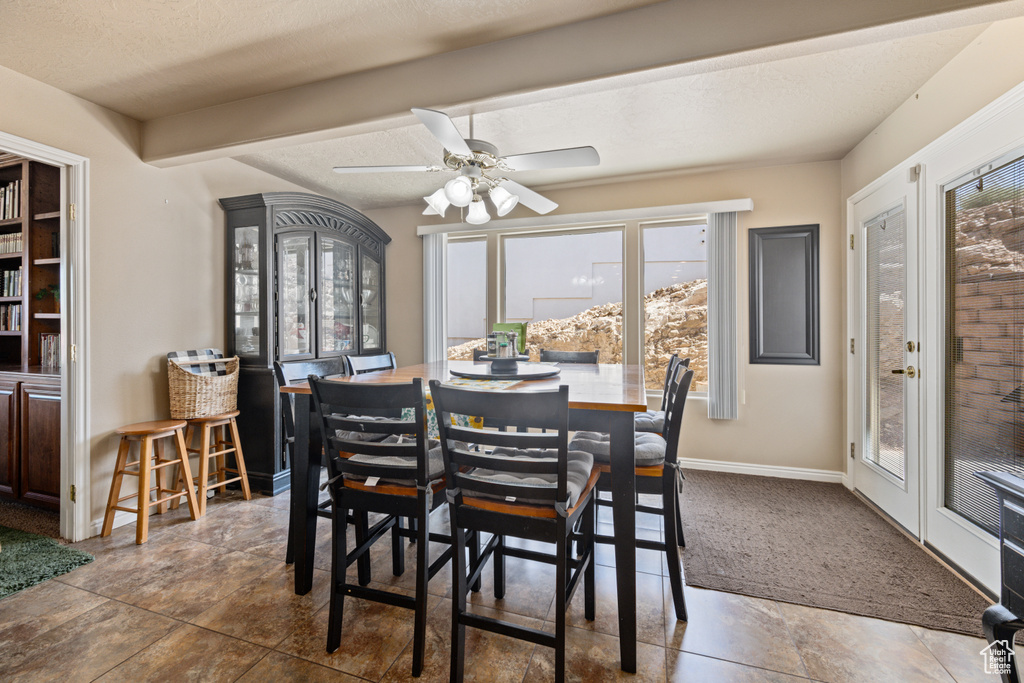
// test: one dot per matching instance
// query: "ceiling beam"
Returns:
(669, 33)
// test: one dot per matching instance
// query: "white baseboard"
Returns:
(120, 519)
(764, 470)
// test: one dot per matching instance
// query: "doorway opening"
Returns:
(43, 414)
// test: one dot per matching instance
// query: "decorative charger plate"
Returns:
(523, 371)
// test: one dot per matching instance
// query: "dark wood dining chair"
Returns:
(524, 484)
(657, 472)
(552, 356)
(358, 365)
(396, 477)
(654, 421)
(479, 353)
(286, 373)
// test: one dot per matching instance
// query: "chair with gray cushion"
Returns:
(657, 472)
(525, 484)
(396, 475)
(358, 365)
(552, 356)
(653, 421)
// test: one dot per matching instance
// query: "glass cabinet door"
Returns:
(370, 302)
(337, 293)
(247, 291)
(295, 286)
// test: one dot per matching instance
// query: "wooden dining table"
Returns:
(602, 398)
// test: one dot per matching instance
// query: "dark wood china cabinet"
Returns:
(305, 280)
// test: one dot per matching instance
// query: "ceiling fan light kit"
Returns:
(437, 203)
(504, 201)
(481, 169)
(459, 191)
(477, 214)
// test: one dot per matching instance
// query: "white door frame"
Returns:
(74, 409)
(903, 500)
(995, 130)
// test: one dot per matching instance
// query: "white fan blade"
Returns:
(443, 128)
(529, 198)
(555, 158)
(383, 169)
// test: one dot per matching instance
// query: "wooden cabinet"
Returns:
(9, 453)
(39, 443)
(305, 280)
(30, 438)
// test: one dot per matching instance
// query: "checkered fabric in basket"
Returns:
(206, 369)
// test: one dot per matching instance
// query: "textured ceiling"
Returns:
(805, 108)
(153, 58)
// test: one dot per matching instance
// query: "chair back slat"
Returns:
(360, 423)
(358, 365)
(523, 411)
(505, 439)
(345, 403)
(553, 356)
(528, 413)
(501, 463)
(406, 449)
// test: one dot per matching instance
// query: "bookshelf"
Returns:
(30, 259)
(30, 266)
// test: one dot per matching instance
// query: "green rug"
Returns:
(27, 559)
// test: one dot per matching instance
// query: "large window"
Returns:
(568, 289)
(675, 300)
(466, 294)
(984, 338)
(575, 291)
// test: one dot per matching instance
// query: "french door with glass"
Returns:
(886, 466)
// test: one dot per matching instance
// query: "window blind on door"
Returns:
(886, 304)
(984, 404)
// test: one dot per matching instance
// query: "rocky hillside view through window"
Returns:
(676, 322)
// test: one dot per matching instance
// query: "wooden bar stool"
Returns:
(218, 436)
(147, 434)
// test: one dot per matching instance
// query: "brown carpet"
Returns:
(33, 520)
(815, 544)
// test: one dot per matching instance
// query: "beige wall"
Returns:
(987, 68)
(792, 415)
(156, 256)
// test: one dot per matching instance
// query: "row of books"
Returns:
(10, 317)
(10, 243)
(10, 282)
(49, 350)
(10, 200)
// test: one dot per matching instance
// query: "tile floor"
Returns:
(212, 600)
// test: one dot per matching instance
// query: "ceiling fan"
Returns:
(480, 169)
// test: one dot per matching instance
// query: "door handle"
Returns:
(312, 294)
(909, 372)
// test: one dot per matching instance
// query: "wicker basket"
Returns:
(195, 395)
